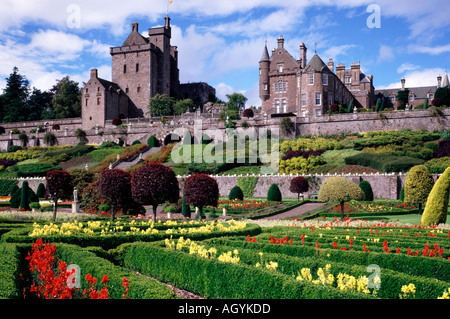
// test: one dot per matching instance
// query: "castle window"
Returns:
(430, 96)
(330, 98)
(87, 90)
(87, 101)
(139, 89)
(310, 78)
(98, 89)
(137, 67)
(277, 106)
(265, 86)
(124, 68)
(98, 101)
(318, 113)
(303, 100)
(348, 80)
(283, 105)
(318, 98)
(127, 90)
(325, 79)
(280, 68)
(411, 98)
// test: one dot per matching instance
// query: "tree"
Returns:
(14, 98)
(402, 98)
(59, 186)
(437, 202)
(161, 105)
(248, 113)
(418, 185)
(38, 104)
(299, 185)
(155, 184)
(186, 209)
(81, 178)
(66, 100)
(115, 184)
(236, 193)
(201, 190)
(236, 102)
(182, 106)
(443, 93)
(367, 189)
(40, 192)
(339, 189)
(274, 193)
(23, 137)
(152, 141)
(287, 126)
(81, 135)
(24, 200)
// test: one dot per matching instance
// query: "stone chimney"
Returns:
(340, 71)
(403, 83)
(303, 51)
(280, 42)
(439, 79)
(135, 27)
(331, 65)
(94, 73)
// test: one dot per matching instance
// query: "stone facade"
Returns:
(289, 86)
(141, 68)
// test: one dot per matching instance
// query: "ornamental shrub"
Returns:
(339, 189)
(247, 185)
(7, 186)
(116, 121)
(437, 202)
(115, 184)
(16, 195)
(201, 190)
(236, 193)
(274, 193)
(367, 189)
(186, 209)
(153, 141)
(155, 184)
(248, 113)
(299, 185)
(418, 185)
(40, 192)
(59, 186)
(24, 200)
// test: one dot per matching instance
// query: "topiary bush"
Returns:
(117, 121)
(40, 192)
(201, 190)
(274, 193)
(248, 113)
(186, 209)
(299, 185)
(339, 189)
(437, 202)
(236, 193)
(367, 189)
(152, 141)
(24, 199)
(418, 185)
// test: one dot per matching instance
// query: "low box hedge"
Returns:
(10, 270)
(217, 280)
(384, 162)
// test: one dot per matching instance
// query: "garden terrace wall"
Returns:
(386, 186)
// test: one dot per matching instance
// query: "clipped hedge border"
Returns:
(427, 267)
(10, 265)
(140, 287)
(112, 241)
(214, 279)
(391, 281)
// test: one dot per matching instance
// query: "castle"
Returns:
(141, 68)
(289, 86)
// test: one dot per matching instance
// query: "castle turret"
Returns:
(264, 66)
(445, 82)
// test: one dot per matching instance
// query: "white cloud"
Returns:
(431, 50)
(385, 54)
(406, 67)
(338, 50)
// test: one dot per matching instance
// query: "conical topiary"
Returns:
(236, 193)
(437, 203)
(274, 193)
(24, 200)
(185, 209)
(367, 189)
(40, 192)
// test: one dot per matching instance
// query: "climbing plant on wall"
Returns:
(247, 184)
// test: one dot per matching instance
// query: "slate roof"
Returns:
(419, 92)
(265, 56)
(315, 64)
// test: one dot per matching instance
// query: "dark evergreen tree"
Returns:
(14, 98)
(236, 193)
(66, 100)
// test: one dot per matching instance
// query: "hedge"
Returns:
(140, 287)
(214, 279)
(7, 186)
(112, 241)
(10, 265)
(384, 162)
(391, 280)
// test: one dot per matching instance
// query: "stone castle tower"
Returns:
(141, 68)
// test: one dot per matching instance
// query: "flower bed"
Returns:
(358, 208)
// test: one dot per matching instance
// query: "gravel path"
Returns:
(302, 209)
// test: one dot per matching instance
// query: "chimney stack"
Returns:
(94, 73)
(303, 51)
(331, 65)
(403, 83)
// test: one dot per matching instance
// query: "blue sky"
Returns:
(221, 42)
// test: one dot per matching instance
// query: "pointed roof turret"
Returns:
(135, 38)
(315, 64)
(445, 82)
(265, 56)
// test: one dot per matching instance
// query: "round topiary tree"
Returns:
(117, 121)
(115, 184)
(339, 189)
(40, 192)
(152, 141)
(367, 189)
(236, 193)
(248, 113)
(299, 185)
(24, 200)
(185, 209)
(437, 203)
(154, 184)
(274, 193)
(59, 186)
(418, 185)
(201, 190)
